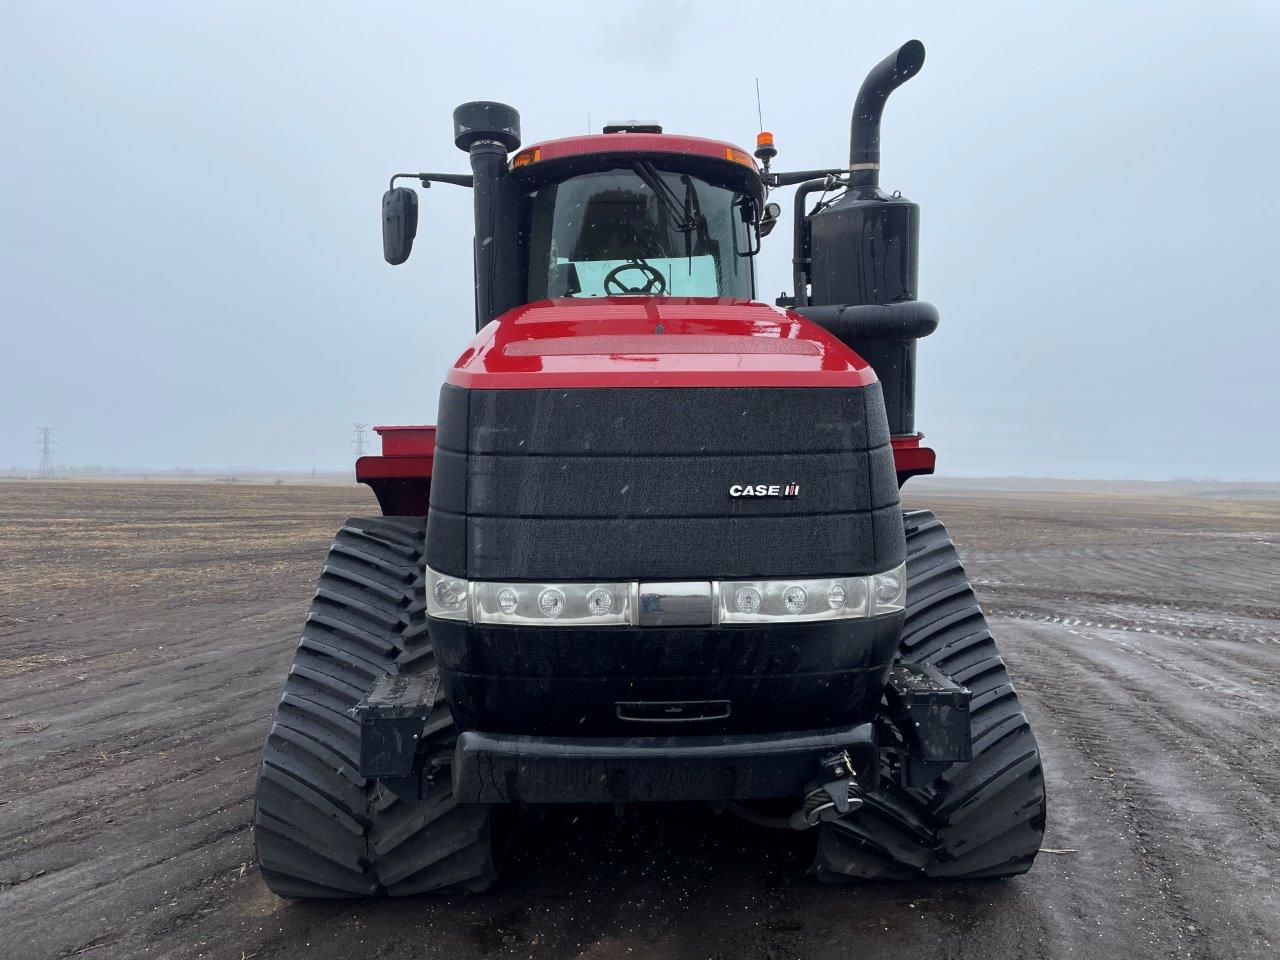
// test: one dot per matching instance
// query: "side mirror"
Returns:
(746, 239)
(399, 224)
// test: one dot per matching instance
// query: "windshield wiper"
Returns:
(679, 212)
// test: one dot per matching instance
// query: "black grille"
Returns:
(623, 484)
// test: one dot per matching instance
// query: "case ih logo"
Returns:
(764, 490)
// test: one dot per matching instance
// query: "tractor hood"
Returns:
(655, 342)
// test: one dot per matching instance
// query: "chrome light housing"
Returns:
(617, 604)
(802, 601)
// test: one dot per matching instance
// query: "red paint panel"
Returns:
(615, 342)
(407, 441)
(598, 143)
(368, 468)
(910, 458)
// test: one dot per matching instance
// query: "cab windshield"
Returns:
(637, 230)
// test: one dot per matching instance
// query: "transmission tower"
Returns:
(358, 441)
(46, 452)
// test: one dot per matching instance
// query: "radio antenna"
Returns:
(765, 150)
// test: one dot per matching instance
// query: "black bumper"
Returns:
(499, 768)
(569, 681)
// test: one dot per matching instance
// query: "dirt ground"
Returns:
(145, 630)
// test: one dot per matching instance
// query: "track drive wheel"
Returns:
(982, 818)
(320, 828)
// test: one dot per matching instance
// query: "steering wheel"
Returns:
(656, 285)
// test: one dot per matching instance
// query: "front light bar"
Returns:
(618, 604)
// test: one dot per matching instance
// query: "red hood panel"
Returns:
(615, 342)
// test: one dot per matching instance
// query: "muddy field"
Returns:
(145, 630)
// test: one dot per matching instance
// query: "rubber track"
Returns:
(321, 829)
(983, 818)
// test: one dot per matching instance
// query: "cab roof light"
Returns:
(634, 126)
(737, 156)
(765, 150)
(526, 157)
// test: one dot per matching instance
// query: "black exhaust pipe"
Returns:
(858, 253)
(864, 130)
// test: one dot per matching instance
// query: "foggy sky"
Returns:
(190, 264)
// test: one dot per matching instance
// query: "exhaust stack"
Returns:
(864, 129)
(859, 252)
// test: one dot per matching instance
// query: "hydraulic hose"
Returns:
(793, 821)
(799, 257)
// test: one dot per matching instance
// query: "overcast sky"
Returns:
(190, 263)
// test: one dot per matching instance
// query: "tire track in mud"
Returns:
(1175, 722)
(1149, 669)
(1164, 776)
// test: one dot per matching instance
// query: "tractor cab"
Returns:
(636, 214)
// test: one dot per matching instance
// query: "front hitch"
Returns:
(835, 793)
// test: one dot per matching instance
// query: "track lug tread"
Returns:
(389, 536)
(395, 595)
(348, 632)
(980, 819)
(390, 619)
(342, 744)
(394, 571)
(311, 703)
(302, 740)
(353, 661)
(327, 682)
(322, 830)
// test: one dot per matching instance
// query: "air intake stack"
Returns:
(488, 131)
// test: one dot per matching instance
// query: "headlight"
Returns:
(801, 601)
(446, 596)
(571, 604)
(793, 601)
(616, 604)
(889, 590)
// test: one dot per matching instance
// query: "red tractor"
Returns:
(653, 549)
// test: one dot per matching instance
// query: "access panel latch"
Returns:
(391, 720)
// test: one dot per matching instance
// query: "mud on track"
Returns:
(145, 630)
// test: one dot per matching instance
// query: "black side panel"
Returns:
(635, 484)
(673, 548)
(607, 487)
(446, 518)
(670, 420)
